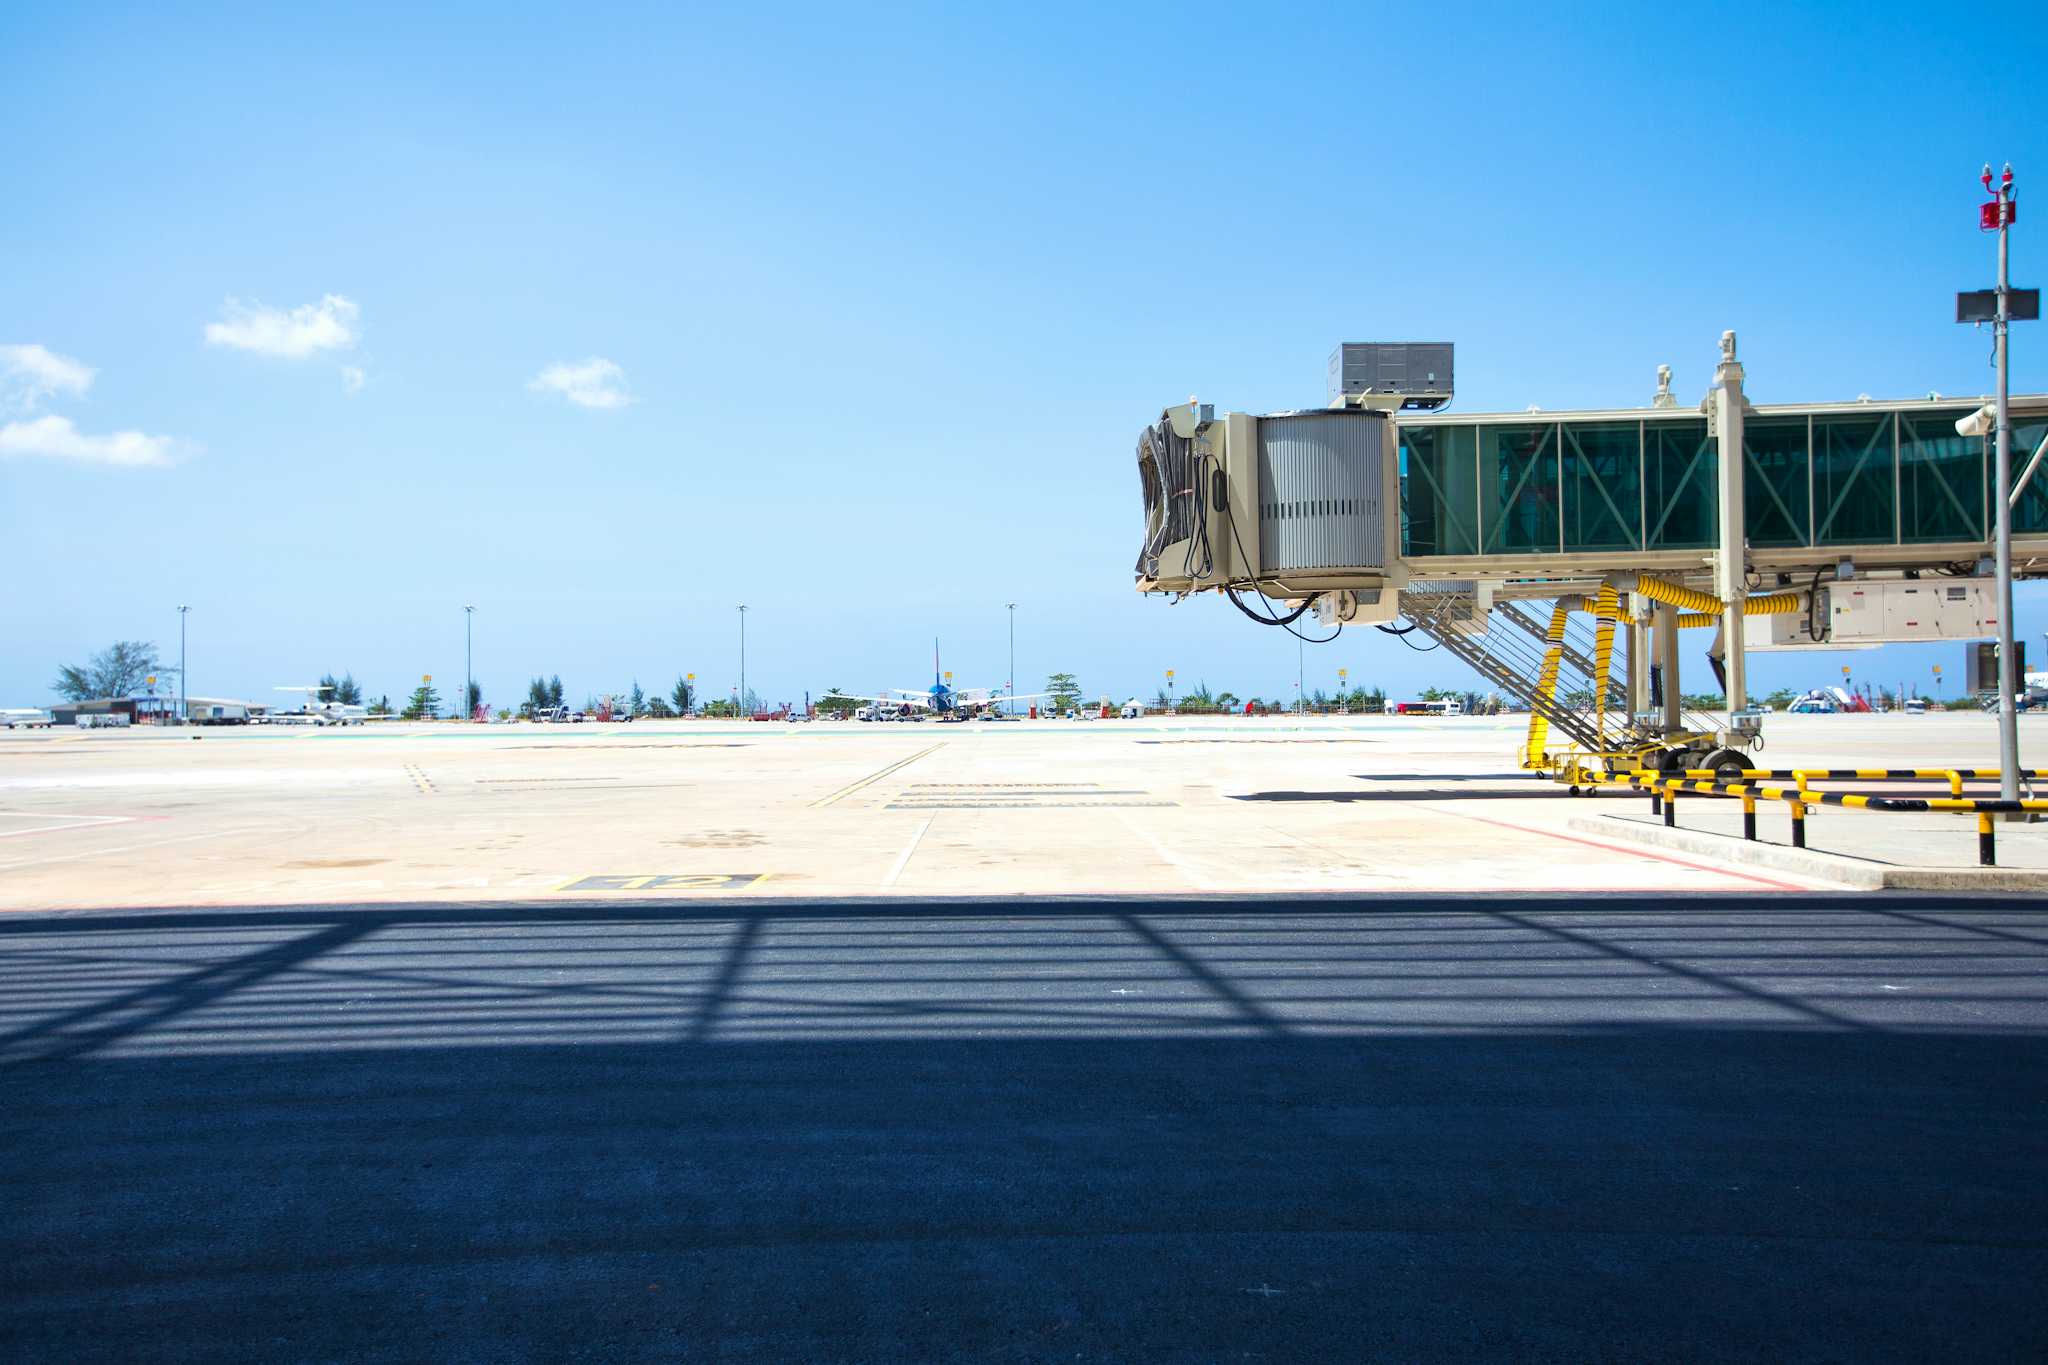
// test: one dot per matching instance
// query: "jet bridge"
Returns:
(1562, 555)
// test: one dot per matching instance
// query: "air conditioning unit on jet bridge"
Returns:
(1291, 505)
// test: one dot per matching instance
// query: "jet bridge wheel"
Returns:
(1723, 763)
(1727, 764)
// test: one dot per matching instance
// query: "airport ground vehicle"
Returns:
(1449, 706)
(1915, 707)
(26, 718)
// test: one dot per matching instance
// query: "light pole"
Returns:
(1012, 708)
(468, 687)
(743, 659)
(1300, 672)
(1996, 215)
(2008, 661)
(184, 702)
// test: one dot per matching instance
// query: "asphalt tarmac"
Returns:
(1667, 1126)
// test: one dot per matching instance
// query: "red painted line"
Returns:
(1620, 848)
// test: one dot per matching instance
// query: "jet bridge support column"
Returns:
(1731, 568)
(1667, 665)
(1638, 659)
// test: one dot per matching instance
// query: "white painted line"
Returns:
(1186, 869)
(903, 858)
(124, 848)
(76, 822)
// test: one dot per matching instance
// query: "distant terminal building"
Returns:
(117, 711)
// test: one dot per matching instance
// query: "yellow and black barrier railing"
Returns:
(1749, 786)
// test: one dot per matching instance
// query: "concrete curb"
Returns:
(1860, 873)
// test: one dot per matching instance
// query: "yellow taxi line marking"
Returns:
(852, 787)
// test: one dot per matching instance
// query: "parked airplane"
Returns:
(317, 712)
(942, 698)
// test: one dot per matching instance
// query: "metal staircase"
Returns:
(1511, 647)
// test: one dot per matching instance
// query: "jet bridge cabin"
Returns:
(1288, 505)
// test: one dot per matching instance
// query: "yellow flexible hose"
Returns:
(1604, 611)
(1546, 688)
(1697, 603)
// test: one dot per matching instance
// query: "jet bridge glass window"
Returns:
(1680, 466)
(1777, 505)
(1518, 477)
(1852, 481)
(1942, 479)
(1439, 491)
(2030, 514)
(1603, 486)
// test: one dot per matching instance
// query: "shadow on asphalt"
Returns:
(773, 1129)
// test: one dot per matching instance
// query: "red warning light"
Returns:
(2003, 208)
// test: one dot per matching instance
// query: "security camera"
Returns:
(1977, 423)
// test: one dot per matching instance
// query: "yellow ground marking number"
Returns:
(690, 881)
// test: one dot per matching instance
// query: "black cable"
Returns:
(1270, 618)
(1402, 636)
(1813, 609)
(1286, 623)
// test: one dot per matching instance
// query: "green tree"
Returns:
(476, 697)
(345, 690)
(424, 704)
(1228, 701)
(683, 697)
(382, 707)
(115, 671)
(638, 701)
(837, 702)
(555, 691)
(1781, 698)
(1064, 691)
(658, 707)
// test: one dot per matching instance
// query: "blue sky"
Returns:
(885, 299)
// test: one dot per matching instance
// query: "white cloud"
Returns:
(31, 373)
(328, 325)
(592, 383)
(56, 438)
(352, 379)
